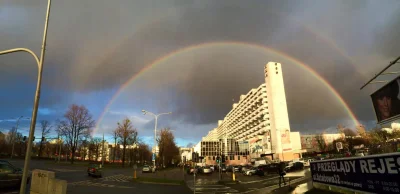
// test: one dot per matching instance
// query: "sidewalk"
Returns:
(296, 188)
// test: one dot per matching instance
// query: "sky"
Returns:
(194, 58)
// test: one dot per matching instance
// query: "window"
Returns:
(238, 157)
(231, 157)
(226, 157)
(213, 157)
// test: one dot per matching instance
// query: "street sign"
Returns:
(154, 157)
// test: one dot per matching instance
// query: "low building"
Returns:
(310, 142)
(186, 154)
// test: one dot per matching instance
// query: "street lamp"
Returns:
(39, 63)
(155, 130)
(13, 138)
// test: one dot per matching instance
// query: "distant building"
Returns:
(186, 153)
(257, 126)
(310, 143)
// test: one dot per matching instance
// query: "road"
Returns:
(114, 180)
(246, 184)
(119, 180)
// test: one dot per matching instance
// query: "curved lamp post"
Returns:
(155, 130)
(39, 62)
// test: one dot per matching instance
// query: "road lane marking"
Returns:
(256, 181)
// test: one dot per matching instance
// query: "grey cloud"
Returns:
(98, 46)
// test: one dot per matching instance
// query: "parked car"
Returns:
(246, 167)
(147, 168)
(306, 162)
(223, 168)
(11, 176)
(250, 171)
(94, 170)
(213, 168)
(267, 169)
(206, 170)
(236, 168)
(294, 166)
(229, 168)
(192, 170)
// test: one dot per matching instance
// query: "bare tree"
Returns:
(127, 135)
(45, 129)
(77, 124)
(114, 134)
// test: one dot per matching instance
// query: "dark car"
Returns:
(10, 176)
(205, 170)
(192, 170)
(245, 168)
(229, 168)
(223, 168)
(267, 169)
(294, 166)
(94, 170)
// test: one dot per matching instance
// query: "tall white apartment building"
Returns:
(260, 118)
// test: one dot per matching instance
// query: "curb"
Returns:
(154, 183)
(256, 181)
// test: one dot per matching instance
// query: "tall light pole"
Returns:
(155, 130)
(37, 95)
(13, 138)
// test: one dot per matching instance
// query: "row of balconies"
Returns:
(244, 104)
(253, 119)
(247, 114)
(250, 94)
(246, 111)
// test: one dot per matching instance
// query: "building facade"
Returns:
(260, 119)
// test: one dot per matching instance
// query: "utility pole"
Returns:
(155, 132)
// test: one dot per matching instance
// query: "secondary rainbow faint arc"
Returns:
(211, 44)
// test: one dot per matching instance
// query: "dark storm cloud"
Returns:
(388, 36)
(98, 46)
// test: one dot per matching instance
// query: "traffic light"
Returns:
(43, 139)
(217, 159)
(24, 139)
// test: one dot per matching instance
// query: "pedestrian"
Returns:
(282, 173)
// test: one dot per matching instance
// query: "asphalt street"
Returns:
(114, 180)
(119, 180)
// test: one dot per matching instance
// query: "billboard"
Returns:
(372, 174)
(285, 140)
(386, 101)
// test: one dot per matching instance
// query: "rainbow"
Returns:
(228, 43)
